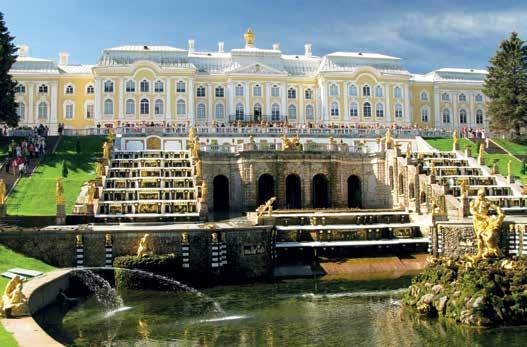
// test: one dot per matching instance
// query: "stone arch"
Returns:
(401, 183)
(220, 193)
(354, 192)
(422, 198)
(411, 191)
(293, 191)
(265, 188)
(320, 191)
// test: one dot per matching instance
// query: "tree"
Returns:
(506, 87)
(65, 170)
(7, 85)
(78, 146)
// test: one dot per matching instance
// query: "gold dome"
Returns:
(249, 37)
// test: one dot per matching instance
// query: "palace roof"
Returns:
(452, 75)
(27, 65)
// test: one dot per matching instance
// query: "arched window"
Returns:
(424, 96)
(308, 94)
(130, 86)
(379, 110)
(366, 109)
(478, 98)
(378, 92)
(275, 90)
(159, 87)
(462, 97)
(200, 92)
(446, 116)
(43, 110)
(424, 115)
(90, 89)
(220, 111)
(257, 90)
(334, 109)
(352, 90)
(333, 90)
(238, 91)
(354, 109)
(397, 92)
(398, 111)
(144, 86)
(257, 111)
(20, 88)
(69, 89)
(291, 93)
(239, 111)
(89, 111)
(445, 97)
(462, 116)
(68, 111)
(275, 112)
(108, 87)
(130, 106)
(108, 107)
(479, 117)
(291, 112)
(366, 91)
(200, 111)
(180, 87)
(181, 108)
(219, 92)
(43, 89)
(145, 106)
(158, 107)
(310, 114)
(21, 110)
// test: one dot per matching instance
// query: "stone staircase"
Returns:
(149, 185)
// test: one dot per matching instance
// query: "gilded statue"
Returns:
(332, 140)
(487, 228)
(464, 187)
(290, 144)
(90, 194)
(108, 240)
(184, 238)
(389, 142)
(14, 301)
(267, 207)
(204, 192)
(3, 191)
(59, 191)
(111, 136)
(481, 151)
(144, 249)
(192, 134)
(455, 139)
(195, 149)
(433, 169)
(99, 169)
(214, 237)
(249, 37)
(198, 168)
(408, 150)
(78, 241)
(106, 150)
(509, 168)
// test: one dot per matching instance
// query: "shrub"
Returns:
(65, 171)
(164, 265)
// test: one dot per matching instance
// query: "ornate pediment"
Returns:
(257, 69)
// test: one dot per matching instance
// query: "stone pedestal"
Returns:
(467, 153)
(61, 215)
(455, 147)
(481, 161)
(510, 179)
(203, 211)
(90, 210)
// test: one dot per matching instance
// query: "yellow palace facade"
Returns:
(136, 84)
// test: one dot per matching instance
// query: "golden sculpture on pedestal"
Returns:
(78, 241)
(106, 151)
(267, 207)
(59, 191)
(90, 194)
(389, 142)
(487, 228)
(249, 37)
(108, 240)
(481, 151)
(408, 150)
(99, 169)
(464, 187)
(332, 140)
(455, 140)
(509, 168)
(14, 302)
(290, 144)
(204, 192)
(144, 249)
(195, 149)
(3, 192)
(197, 165)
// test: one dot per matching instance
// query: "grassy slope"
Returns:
(35, 195)
(446, 145)
(8, 260)
(514, 148)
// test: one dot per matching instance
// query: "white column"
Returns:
(230, 97)
(323, 100)
(388, 111)
(437, 110)
(54, 104)
(31, 117)
(247, 111)
(98, 100)
(168, 104)
(300, 116)
(283, 106)
(346, 113)
(407, 110)
(209, 101)
(454, 111)
(471, 113)
(121, 99)
(191, 94)
(267, 111)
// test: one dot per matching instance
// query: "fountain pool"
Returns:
(289, 313)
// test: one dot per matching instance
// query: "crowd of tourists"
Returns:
(21, 152)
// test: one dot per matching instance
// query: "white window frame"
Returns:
(333, 89)
(159, 107)
(446, 114)
(354, 109)
(87, 105)
(181, 87)
(238, 90)
(257, 90)
(399, 111)
(181, 107)
(353, 90)
(201, 111)
(291, 93)
(335, 109)
(43, 88)
(69, 89)
(425, 114)
(201, 91)
(43, 115)
(90, 89)
(21, 110)
(377, 93)
(219, 92)
(107, 112)
(397, 92)
(219, 115)
(67, 107)
(275, 112)
(130, 86)
(144, 107)
(291, 111)
(108, 86)
(367, 114)
(379, 110)
(275, 91)
(308, 94)
(159, 86)
(425, 93)
(129, 103)
(310, 112)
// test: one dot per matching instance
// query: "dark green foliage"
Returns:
(7, 85)
(65, 171)
(164, 265)
(78, 146)
(484, 294)
(506, 87)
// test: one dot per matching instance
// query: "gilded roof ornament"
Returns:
(249, 38)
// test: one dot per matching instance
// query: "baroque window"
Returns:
(446, 116)
(20, 88)
(308, 94)
(130, 86)
(257, 90)
(291, 93)
(354, 109)
(310, 114)
(108, 107)
(181, 108)
(21, 110)
(158, 107)
(180, 87)
(424, 96)
(275, 112)
(366, 109)
(378, 92)
(69, 89)
(220, 111)
(275, 91)
(479, 117)
(379, 110)
(130, 106)
(144, 86)
(89, 111)
(239, 111)
(462, 116)
(398, 111)
(238, 91)
(159, 87)
(68, 111)
(108, 87)
(424, 115)
(334, 109)
(366, 91)
(144, 107)
(201, 111)
(43, 110)
(352, 90)
(462, 97)
(219, 92)
(90, 89)
(200, 91)
(43, 89)
(291, 112)
(397, 92)
(333, 90)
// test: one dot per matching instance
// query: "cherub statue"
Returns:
(107, 239)
(184, 238)
(14, 301)
(144, 249)
(78, 241)
(59, 191)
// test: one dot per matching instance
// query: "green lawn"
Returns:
(514, 148)
(35, 195)
(8, 260)
(443, 144)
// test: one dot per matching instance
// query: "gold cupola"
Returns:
(249, 38)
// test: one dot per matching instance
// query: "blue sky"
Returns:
(427, 36)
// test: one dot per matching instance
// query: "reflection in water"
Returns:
(289, 313)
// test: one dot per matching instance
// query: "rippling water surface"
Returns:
(289, 313)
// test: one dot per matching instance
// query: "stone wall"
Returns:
(58, 248)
